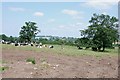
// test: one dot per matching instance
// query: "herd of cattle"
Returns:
(40, 45)
(25, 44)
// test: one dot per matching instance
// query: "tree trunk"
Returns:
(103, 48)
(99, 48)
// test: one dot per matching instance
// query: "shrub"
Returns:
(32, 60)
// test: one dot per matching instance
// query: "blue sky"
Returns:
(53, 18)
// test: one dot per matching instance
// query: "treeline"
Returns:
(9, 38)
(71, 41)
(51, 40)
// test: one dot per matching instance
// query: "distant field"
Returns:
(68, 50)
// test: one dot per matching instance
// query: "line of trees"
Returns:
(52, 40)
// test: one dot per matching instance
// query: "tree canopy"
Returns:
(102, 31)
(28, 32)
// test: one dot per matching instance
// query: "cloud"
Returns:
(71, 26)
(70, 12)
(75, 14)
(51, 20)
(39, 14)
(100, 4)
(16, 9)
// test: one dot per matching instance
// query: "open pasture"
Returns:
(58, 62)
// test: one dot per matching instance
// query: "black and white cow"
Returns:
(51, 46)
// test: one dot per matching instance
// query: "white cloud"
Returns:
(70, 12)
(100, 4)
(39, 14)
(16, 9)
(71, 26)
(75, 14)
(51, 20)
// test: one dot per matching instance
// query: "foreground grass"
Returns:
(68, 50)
(3, 68)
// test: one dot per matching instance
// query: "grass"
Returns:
(3, 68)
(2, 62)
(68, 50)
(32, 60)
(44, 63)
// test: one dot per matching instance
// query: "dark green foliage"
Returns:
(102, 31)
(28, 32)
(57, 40)
(10, 39)
(84, 42)
(4, 37)
(32, 60)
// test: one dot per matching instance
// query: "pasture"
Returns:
(57, 62)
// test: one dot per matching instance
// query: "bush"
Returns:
(3, 68)
(32, 60)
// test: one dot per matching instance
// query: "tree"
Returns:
(28, 32)
(11, 39)
(4, 37)
(102, 31)
(84, 42)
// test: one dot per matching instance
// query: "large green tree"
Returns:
(102, 31)
(28, 32)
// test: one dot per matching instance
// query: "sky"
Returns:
(63, 19)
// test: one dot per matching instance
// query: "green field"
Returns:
(68, 50)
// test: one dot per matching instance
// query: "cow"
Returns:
(79, 47)
(17, 44)
(23, 44)
(94, 48)
(37, 45)
(44, 45)
(8, 42)
(87, 47)
(51, 46)
(3, 42)
(31, 44)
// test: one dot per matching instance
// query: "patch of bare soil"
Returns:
(50, 65)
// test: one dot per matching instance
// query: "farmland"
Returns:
(57, 62)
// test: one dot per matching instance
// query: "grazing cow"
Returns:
(40, 44)
(3, 42)
(94, 48)
(8, 42)
(16, 44)
(31, 44)
(51, 46)
(87, 47)
(23, 44)
(37, 45)
(12, 43)
(44, 45)
(79, 47)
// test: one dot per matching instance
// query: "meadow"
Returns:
(67, 50)
(57, 62)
